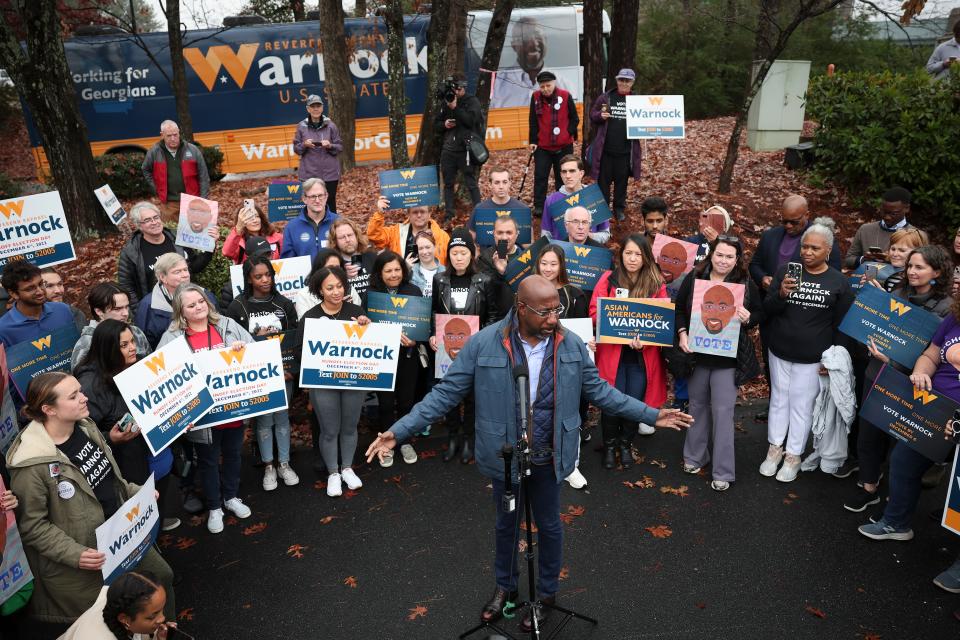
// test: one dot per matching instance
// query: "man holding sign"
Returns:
(402, 238)
(571, 172)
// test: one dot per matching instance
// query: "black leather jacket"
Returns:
(481, 299)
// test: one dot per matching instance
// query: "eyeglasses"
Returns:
(730, 239)
(543, 313)
(150, 220)
(791, 223)
(579, 223)
(316, 196)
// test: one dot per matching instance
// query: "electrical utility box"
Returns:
(775, 119)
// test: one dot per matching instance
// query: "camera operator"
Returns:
(458, 120)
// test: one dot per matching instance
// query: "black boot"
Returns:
(626, 452)
(467, 454)
(452, 445)
(609, 462)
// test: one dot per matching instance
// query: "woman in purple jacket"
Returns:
(317, 142)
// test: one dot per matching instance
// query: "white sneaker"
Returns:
(236, 506)
(408, 453)
(215, 520)
(269, 478)
(791, 467)
(647, 430)
(576, 479)
(334, 490)
(288, 475)
(774, 456)
(351, 479)
(387, 460)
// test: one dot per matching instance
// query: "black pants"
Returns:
(397, 403)
(615, 169)
(467, 423)
(543, 162)
(331, 194)
(452, 163)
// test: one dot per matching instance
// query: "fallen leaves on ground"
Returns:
(564, 573)
(350, 581)
(573, 511)
(523, 526)
(646, 482)
(349, 493)
(815, 612)
(296, 550)
(320, 485)
(327, 519)
(682, 490)
(185, 543)
(397, 479)
(426, 455)
(165, 540)
(254, 528)
(418, 611)
(660, 531)
(196, 521)
(230, 521)
(658, 463)
(186, 614)
(701, 605)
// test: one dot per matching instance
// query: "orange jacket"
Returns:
(394, 236)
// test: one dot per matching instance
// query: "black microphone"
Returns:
(509, 502)
(522, 375)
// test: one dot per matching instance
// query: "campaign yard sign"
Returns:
(197, 216)
(914, 416)
(413, 187)
(951, 509)
(27, 360)
(35, 228)
(290, 276)
(288, 347)
(676, 258)
(655, 117)
(523, 262)
(900, 330)
(714, 323)
(111, 205)
(9, 427)
(283, 201)
(620, 320)
(129, 533)
(483, 220)
(339, 354)
(585, 264)
(14, 569)
(412, 313)
(243, 383)
(589, 197)
(165, 393)
(453, 332)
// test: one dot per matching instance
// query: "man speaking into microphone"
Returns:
(559, 369)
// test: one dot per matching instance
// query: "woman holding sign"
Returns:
(218, 448)
(265, 312)
(713, 383)
(804, 310)
(113, 349)
(635, 369)
(391, 276)
(338, 410)
(68, 483)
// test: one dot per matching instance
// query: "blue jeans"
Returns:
(906, 470)
(545, 505)
(220, 482)
(631, 380)
(277, 423)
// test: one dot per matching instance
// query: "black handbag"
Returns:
(748, 367)
(477, 150)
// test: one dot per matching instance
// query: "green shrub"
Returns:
(122, 172)
(9, 188)
(213, 157)
(878, 130)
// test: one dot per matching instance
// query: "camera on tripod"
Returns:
(449, 91)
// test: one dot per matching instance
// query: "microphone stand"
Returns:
(523, 452)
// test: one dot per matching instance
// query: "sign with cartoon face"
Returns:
(453, 332)
(676, 258)
(197, 216)
(714, 323)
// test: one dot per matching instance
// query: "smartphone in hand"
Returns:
(502, 249)
(126, 422)
(871, 272)
(795, 271)
(956, 426)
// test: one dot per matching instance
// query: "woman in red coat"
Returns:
(634, 369)
(251, 221)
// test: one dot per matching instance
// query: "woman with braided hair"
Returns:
(129, 609)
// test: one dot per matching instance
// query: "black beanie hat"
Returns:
(460, 237)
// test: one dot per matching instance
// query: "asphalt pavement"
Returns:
(410, 555)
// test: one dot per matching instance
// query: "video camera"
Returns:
(449, 91)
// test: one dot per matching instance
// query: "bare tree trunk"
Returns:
(773, 33)
(456, 36)
(43, 78)
(623, 39)
(591, 52)
(428, 144)
(360, 9)
(397, 97)
(492, 49)
(299, 14)
(338, 83)
(179, 80)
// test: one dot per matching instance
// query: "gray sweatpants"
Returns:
(338, 413)
(713, 394)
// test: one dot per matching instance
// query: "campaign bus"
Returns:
(248, 84)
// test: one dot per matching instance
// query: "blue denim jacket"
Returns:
(485, 366)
